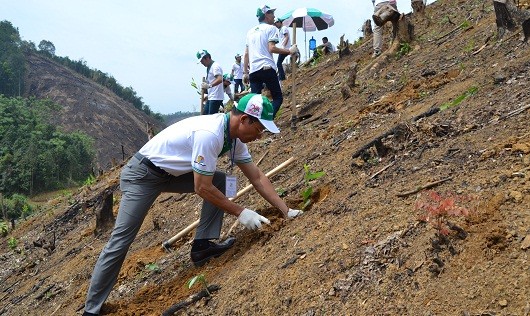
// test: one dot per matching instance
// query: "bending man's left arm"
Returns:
(263, 185)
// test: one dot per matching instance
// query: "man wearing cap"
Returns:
(259, 64)
(237, 74)
(213, 84)
(285, 42)
(183, 159)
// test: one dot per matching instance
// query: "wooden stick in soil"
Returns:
(424, 187)
(294, 60)
(192, 226)
(384, 168)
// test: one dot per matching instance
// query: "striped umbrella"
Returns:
(309, 19)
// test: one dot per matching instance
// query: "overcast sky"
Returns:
(151, 45)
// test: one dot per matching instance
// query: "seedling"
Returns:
(195, 86)
(199, 278)
(12, 243)
(404, 49)
(308, 177)
(4, 228)
(153, 267)
(435, 208)
(471, 91)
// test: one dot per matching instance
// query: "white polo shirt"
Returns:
(217, 92)
(283, 31)
(258, 39)
(238, 70)
(194, 144)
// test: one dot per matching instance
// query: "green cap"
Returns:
(259, 107)
(201, 54)
(260, 12)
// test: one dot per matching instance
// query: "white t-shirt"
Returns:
(215, 93)
(283, 31)
(258, 39)
(238, 70)
(193, 144)
(376, 2)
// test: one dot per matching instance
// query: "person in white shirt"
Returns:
(237, 74)
(226, 85)
(183, 159)
(259, 65)
(285, 42)
(213, 84)
(378, 30)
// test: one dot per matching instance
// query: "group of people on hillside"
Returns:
(183, 157)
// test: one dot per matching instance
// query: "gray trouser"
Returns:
(141, 186)
(378, 30)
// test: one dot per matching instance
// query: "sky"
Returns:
(151, 45)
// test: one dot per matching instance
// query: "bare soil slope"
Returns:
(360, 248)
(89, 107)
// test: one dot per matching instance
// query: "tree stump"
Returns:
(402, 29)
(343, 47)
(418, 6)
(507, 15)
(367, 28)
(104, 216)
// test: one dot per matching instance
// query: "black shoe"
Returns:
(200, 257)
(89, 314)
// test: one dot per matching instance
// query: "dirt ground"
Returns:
(361, 248)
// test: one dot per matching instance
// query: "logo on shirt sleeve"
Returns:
(200, 160)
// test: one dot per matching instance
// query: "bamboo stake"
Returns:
(191, 226)
(294, 59)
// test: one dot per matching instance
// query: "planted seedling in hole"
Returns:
(199, 278)
(435, 208)
(308, 177)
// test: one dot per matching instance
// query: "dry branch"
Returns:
(424, 187)
(192, 299)
(382, 170)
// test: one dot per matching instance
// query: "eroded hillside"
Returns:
(89, 107)
(360, 248)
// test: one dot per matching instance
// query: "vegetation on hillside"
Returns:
(35, 156)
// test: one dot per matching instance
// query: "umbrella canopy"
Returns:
(309, 19)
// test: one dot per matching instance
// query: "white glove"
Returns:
(251, 219)
(294, 213)
(205, 85)
(293, 49)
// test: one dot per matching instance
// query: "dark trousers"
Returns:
(212, 107)
(281, 72)
(270, 79)
(238, 86)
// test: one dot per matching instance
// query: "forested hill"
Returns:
(86, 106)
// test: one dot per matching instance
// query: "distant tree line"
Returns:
(177, 116)
(12, 68)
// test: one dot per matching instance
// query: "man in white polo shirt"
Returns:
(183, 158)
(213, 84)
(259, 63)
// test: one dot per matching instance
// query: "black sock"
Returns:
(200, 244)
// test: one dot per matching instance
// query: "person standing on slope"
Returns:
(258, 61)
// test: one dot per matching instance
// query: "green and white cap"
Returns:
(260, 12)
(259, 107)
